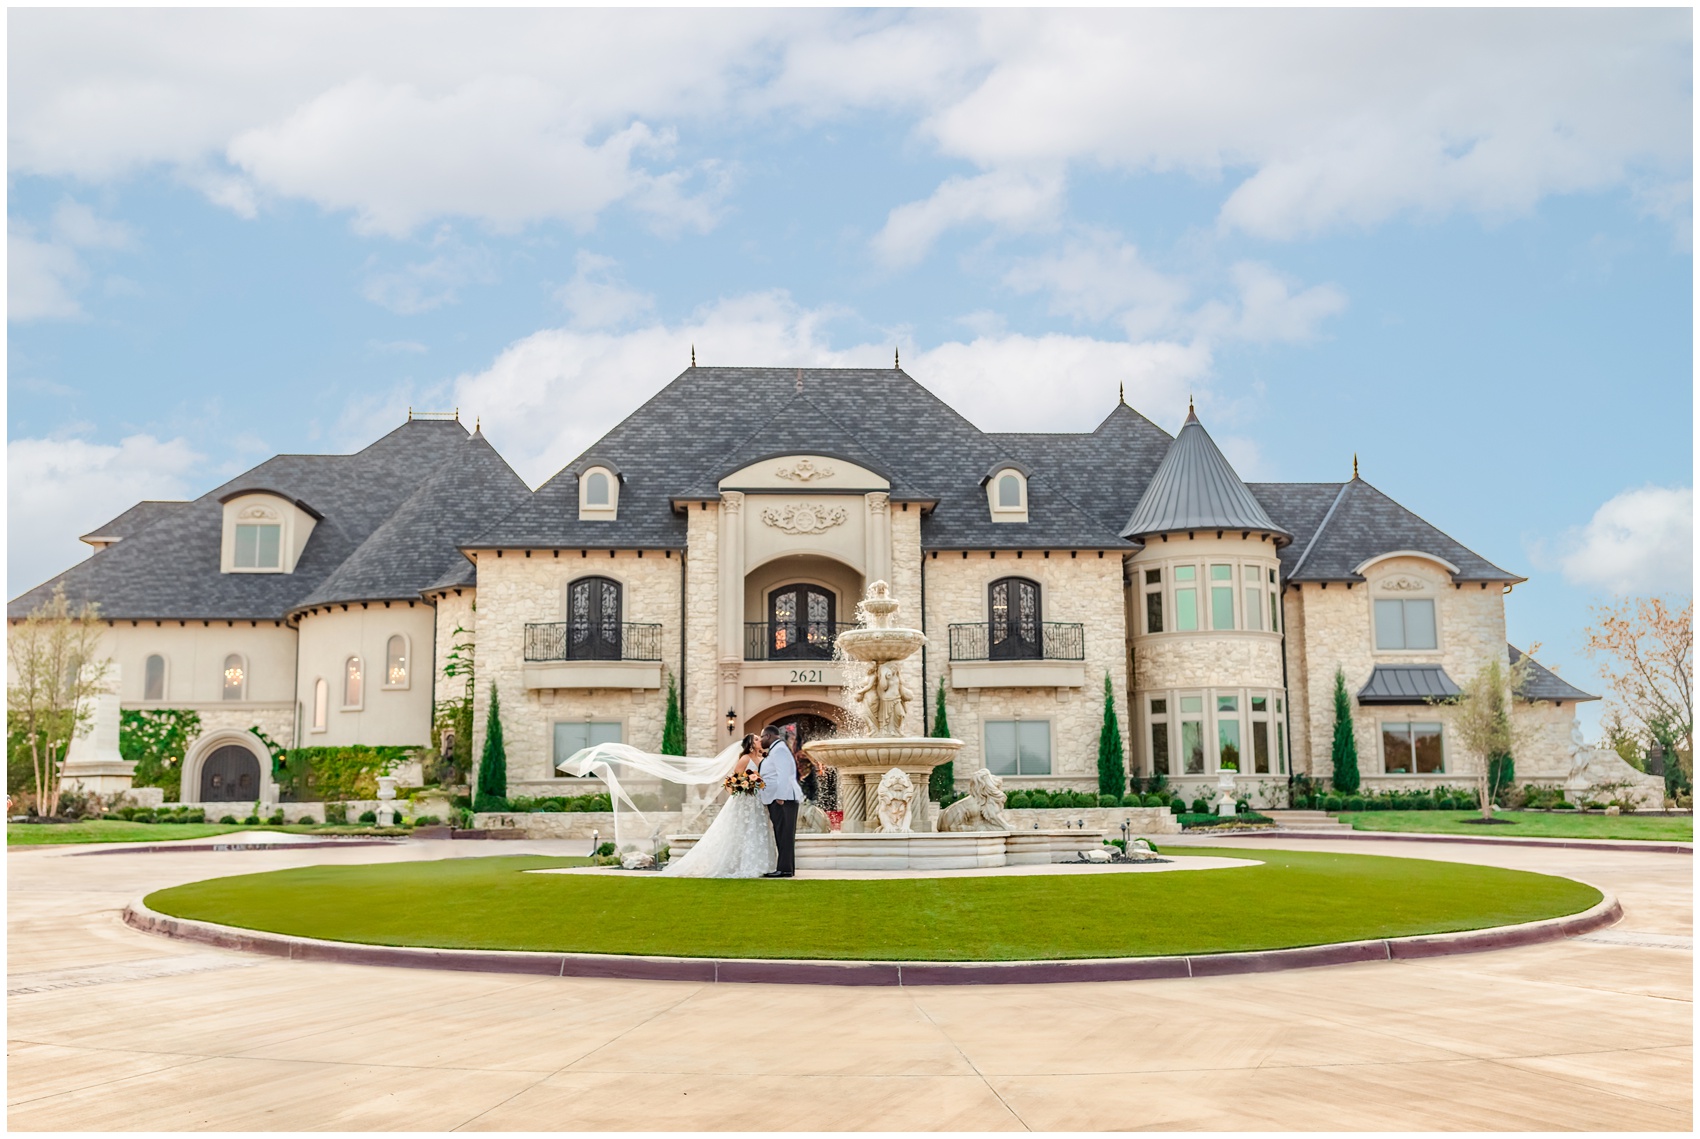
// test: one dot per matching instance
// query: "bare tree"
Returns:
(54, 677)
(1648, 665)
(1482, 722)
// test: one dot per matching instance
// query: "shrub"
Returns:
(276, 820)
(606, 850)
(1331, 804)
(1153, 800)
(1345, 748)
(491, 792)
(251, 821)
(1422, 803)
(1241, 806)
(1015, 800)
(1354, 802)
(1562, 805)
(305, 821)
(427, 821)
(368, 816)
(1200, 807)
(1177, 807)
(228, 820)
(1109, 801)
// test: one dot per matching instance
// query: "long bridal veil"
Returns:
(644, 788)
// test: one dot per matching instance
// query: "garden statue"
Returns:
(1224, 801)
(981, 810)
(386, 800)
(1580, 756)
(812, 820)
(892, 800)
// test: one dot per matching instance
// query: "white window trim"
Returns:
(247, 679)
(315, 725)
(407, 653)
(1381, 752)
(165, 679)
(1006, 513)
(346, 706)
(1439, 640)
(1201, 585)
(598, 513)
(1018, 720)
(552, 774)
(282, 537)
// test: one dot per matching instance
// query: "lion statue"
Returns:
(811, 819)
(891, 802)
(981, 810)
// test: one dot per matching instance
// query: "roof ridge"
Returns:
(1320, 527)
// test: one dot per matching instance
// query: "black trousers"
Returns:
(783, 812)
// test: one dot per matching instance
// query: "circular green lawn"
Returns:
(1289, 899)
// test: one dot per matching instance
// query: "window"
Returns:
(259, 546)
(574, 737)
(321, 704)
(1018, 747)
(1186, 599)
(1405, 625)
(1412, 749)
(1221, 597)
(1274, 605)
(153, 678)
(800, 622)
(1154, 601)
(353, 686)
(596, 489)
(1280, 740)
(1014, 633)
(395, 662)
(1228, 732)
(1253, 598)
(593, 619)
(1192, 735)
(1159, 737)
(1260, 735)
(235, 677)
(1009, 492)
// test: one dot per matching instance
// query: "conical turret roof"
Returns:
(1196, 489)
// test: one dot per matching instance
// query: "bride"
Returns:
(739, 842)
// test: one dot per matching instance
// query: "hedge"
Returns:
(335, 774)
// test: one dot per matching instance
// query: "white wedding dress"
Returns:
(738, 844)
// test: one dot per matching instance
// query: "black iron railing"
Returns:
(1047, 640)
(792, 640)
(568, 640)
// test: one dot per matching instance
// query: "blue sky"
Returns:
(1456, 243)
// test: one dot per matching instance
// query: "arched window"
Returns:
(593, 619)
(596, 489)
(395, 662)
(235, 677)
(153, 678)
(1009, 491)
(353, 686)
(1015, 620)
(321, 704)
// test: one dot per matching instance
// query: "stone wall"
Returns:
(704, 717)
(580, 824)
(1086, 589)
(456, 609)
(514, 590)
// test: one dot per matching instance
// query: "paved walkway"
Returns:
(111, 1029)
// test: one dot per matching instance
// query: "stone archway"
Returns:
(217, 743)
(812, 713)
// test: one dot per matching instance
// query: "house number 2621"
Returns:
(807, 676)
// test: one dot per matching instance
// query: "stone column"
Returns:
(730, 600)
(853, 801)
(877, 551)
(93, 760)
(698, 623)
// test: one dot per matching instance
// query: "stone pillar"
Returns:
(730, 601)
(699, 624)
(853, 801)
(877, 552)
(93, 761)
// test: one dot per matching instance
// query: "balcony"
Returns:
(565, 654)
(1052, 655)
(792, 640)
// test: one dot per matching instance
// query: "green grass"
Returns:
(117, 830)
(1291, 899)
(1533, 824)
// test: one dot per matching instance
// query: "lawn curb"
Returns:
(1650, 846)
(1606, 912)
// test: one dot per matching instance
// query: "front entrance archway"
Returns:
(230, 774)
(817, 718)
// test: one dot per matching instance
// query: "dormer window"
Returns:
(1006, 494)
(264, 532)
(259, 545)
(598, 495)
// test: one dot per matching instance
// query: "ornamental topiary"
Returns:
(228, 820)
(492, 792)
(1354, 802)
(1112, 766)
(1155, 801)
(368, 816)
(1200, 807)
(1345, 750)
(1132, 800)
(1017, 801)
(943, 779)
(1109, 801)
(1177, 807)
(1331, 804)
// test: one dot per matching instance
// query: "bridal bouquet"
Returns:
(747, 783)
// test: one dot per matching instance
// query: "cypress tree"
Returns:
(943, 780)
(492, 791)
(1345, 742)
(1112, 769)
(673, 728)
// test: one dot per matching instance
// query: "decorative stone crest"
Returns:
(1402, 584)
(803, 518)
(805, 471)
(256, 512)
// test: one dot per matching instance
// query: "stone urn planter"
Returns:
(386, 800)
(1225, 792)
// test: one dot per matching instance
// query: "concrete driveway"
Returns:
(111, 1029)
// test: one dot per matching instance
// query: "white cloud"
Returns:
(1270, 307)
(1009, 200)
(1640, 541)
(57, 488)
(43, 277)
(421, 286)
(596, 299)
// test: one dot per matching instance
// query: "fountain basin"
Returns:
(967, 850)
(880, 645)
(914, 754)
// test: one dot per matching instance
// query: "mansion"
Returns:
(721, 536)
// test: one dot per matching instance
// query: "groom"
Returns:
(781, 794)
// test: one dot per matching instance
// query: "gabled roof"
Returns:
(1195, 488)
(1541, 683)
(1363, 523)
(170, 568)
(139, 517)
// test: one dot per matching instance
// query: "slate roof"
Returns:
(1406, 684)
(137, 518)
(1361, 523)
(1101, 470)
(1196, 488)
(170, 567)
(1542, 683)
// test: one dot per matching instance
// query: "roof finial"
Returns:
(1121, 392)
(896, 361)
(477, 424)
(693, 355)
(410, 413)
(1354, 466)
(799, 379)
